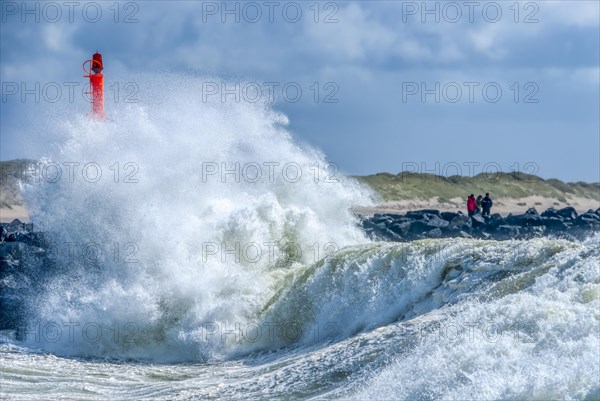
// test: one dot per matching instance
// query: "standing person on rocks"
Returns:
(486, 205)
(478, 204)
(471, 205)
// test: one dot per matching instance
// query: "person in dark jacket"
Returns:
(471, 205)
(486, 205)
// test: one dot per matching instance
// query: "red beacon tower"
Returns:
(93, 68)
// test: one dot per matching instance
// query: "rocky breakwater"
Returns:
(420, 224)
(25, 267)
(28, 263)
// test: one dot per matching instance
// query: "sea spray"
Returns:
(174, 214)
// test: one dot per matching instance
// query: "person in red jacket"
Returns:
(471, 205)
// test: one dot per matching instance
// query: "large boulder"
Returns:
(449, 216)
(400, 228)
(435, 233)
(532, 210)
(423, 214)
(477, 221)
(369, 224)
(16, 223)
(381, 218)
(384, 234)
(587, 219)
(459, 220)
(567, 213)
(551, 212)
(533, 231)
(419, 227)
(437, 222)
(507, 232)
(389, 235)
(466, 227)
(494, 221)
(30, 238)
(379, 231)
(555, 224)
(525, 220)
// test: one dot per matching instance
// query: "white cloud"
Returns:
(356, 37)
(488, 40)
(570, 13)
(57, 37)
(411, 49)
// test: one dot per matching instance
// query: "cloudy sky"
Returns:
(386, 85)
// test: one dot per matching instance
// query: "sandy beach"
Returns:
(14, 212)
(504, 206)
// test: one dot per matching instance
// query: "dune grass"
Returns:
(403, 186)
(11, 172)
(514, 185)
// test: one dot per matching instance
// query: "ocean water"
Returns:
(200, 252)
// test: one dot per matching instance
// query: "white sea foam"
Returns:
(199, 185)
